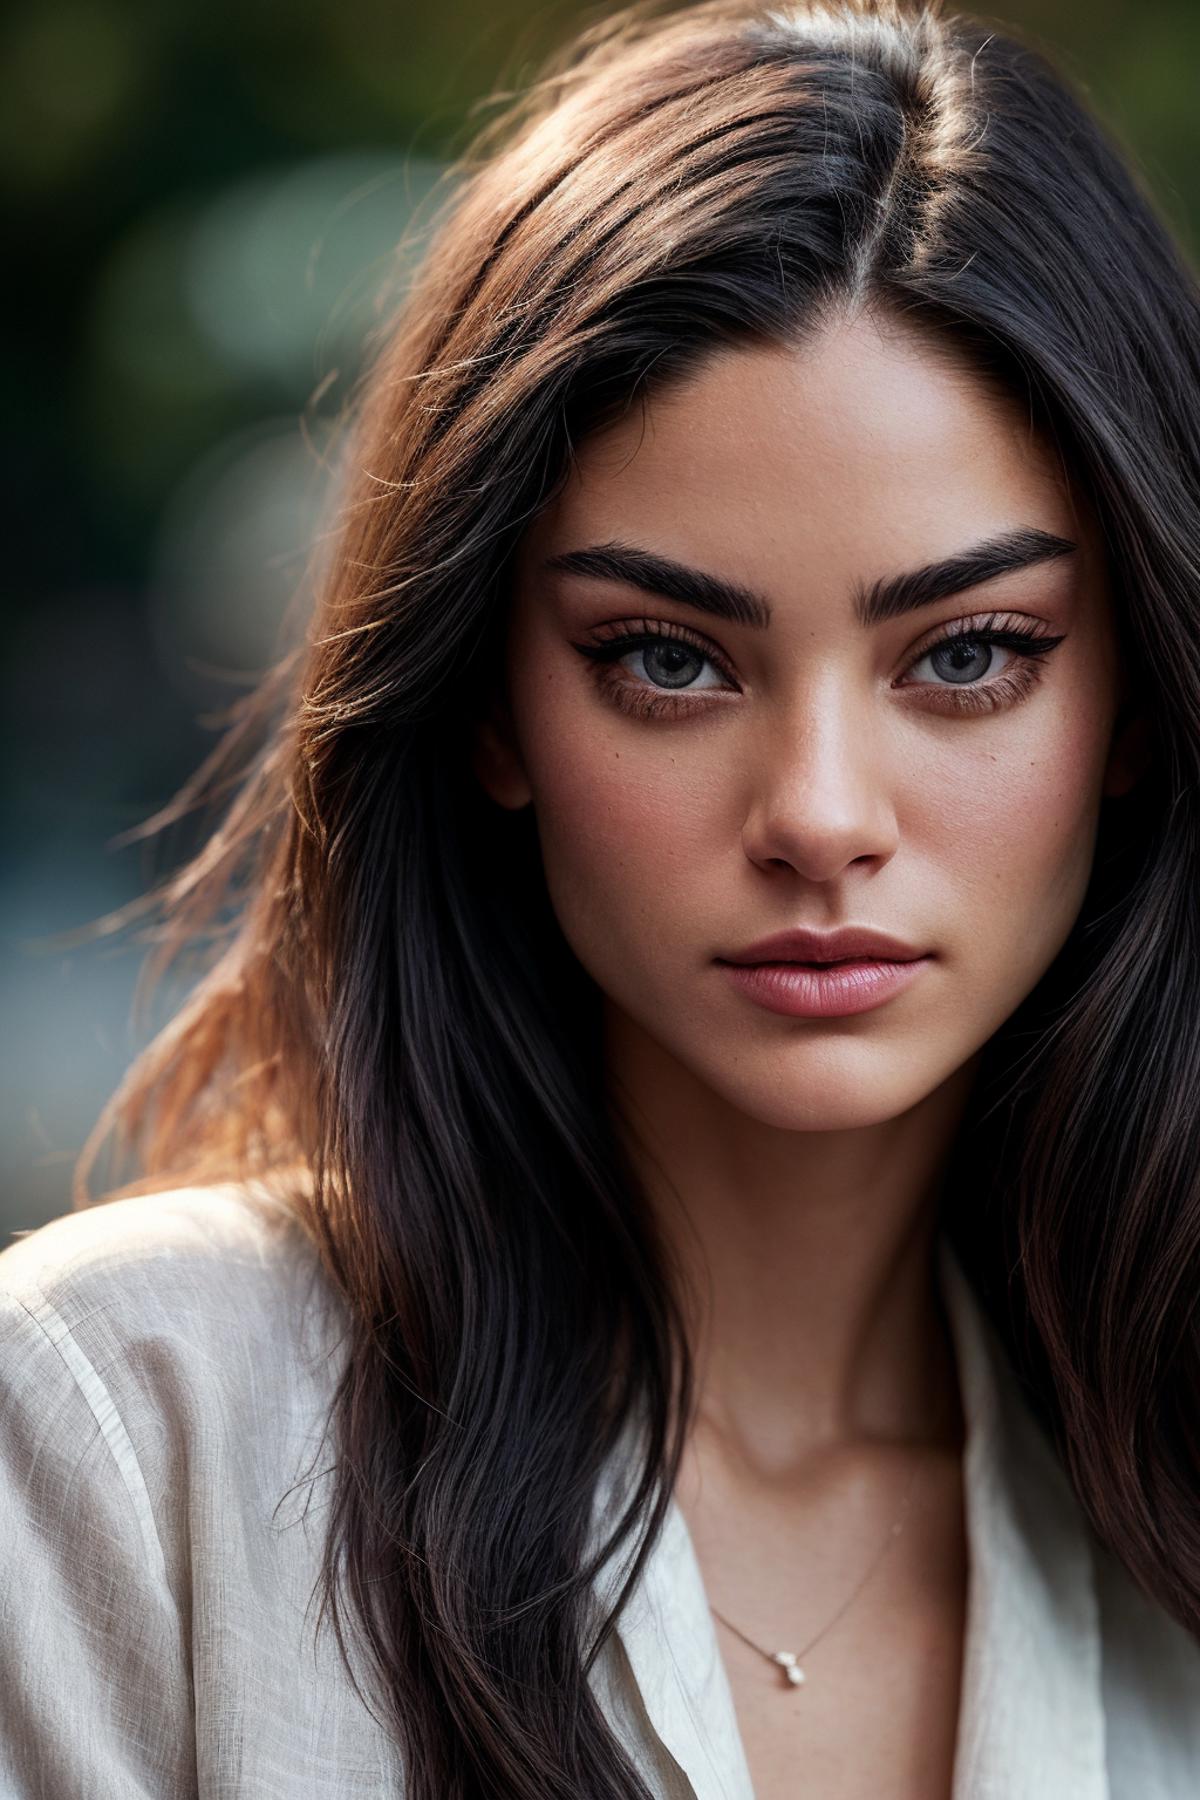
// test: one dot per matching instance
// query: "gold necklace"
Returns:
(789, 1660)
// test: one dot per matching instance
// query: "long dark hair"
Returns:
(390, 1004)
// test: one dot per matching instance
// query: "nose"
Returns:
(822, 785)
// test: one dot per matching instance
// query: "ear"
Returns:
(1130, 752)
(496, 757)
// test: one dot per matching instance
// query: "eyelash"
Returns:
(641, 701)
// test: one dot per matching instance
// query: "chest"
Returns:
(876, 1714)
(878, 1623)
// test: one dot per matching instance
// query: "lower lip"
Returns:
(804, 992)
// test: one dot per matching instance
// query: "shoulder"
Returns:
(202, 1225)
(177, 1263)
(166, 1364)
(174, 1322)
(165, 1361)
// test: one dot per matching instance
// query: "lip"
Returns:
(869, 967)
(801, 992)
(805, 946)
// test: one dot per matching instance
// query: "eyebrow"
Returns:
(886, 598)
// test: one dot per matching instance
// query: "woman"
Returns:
(768, 541)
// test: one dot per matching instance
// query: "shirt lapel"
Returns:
(1031, 1716)
(667, 1634)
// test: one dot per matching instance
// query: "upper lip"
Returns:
(803, 945)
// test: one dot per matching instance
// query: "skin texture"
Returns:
(815, 773)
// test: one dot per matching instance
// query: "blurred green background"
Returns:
(204, 205)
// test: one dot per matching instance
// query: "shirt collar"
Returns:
(1031, 1717)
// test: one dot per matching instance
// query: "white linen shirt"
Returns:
(165, 1365)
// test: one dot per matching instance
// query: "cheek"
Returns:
(625, 847)
(633, 835)
(1013, 832)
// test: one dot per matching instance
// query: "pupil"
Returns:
(680, 662)
(958, 656)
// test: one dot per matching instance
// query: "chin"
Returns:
(834, 1092)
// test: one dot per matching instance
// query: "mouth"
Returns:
(830, 988)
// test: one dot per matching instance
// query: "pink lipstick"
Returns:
(810, 974)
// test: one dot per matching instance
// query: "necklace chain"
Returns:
(789, 1660)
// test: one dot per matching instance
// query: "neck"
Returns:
(806, 1261)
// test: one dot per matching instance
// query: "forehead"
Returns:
(859, 453)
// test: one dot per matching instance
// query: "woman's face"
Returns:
(720, 779)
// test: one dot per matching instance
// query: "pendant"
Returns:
(786, 1659)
